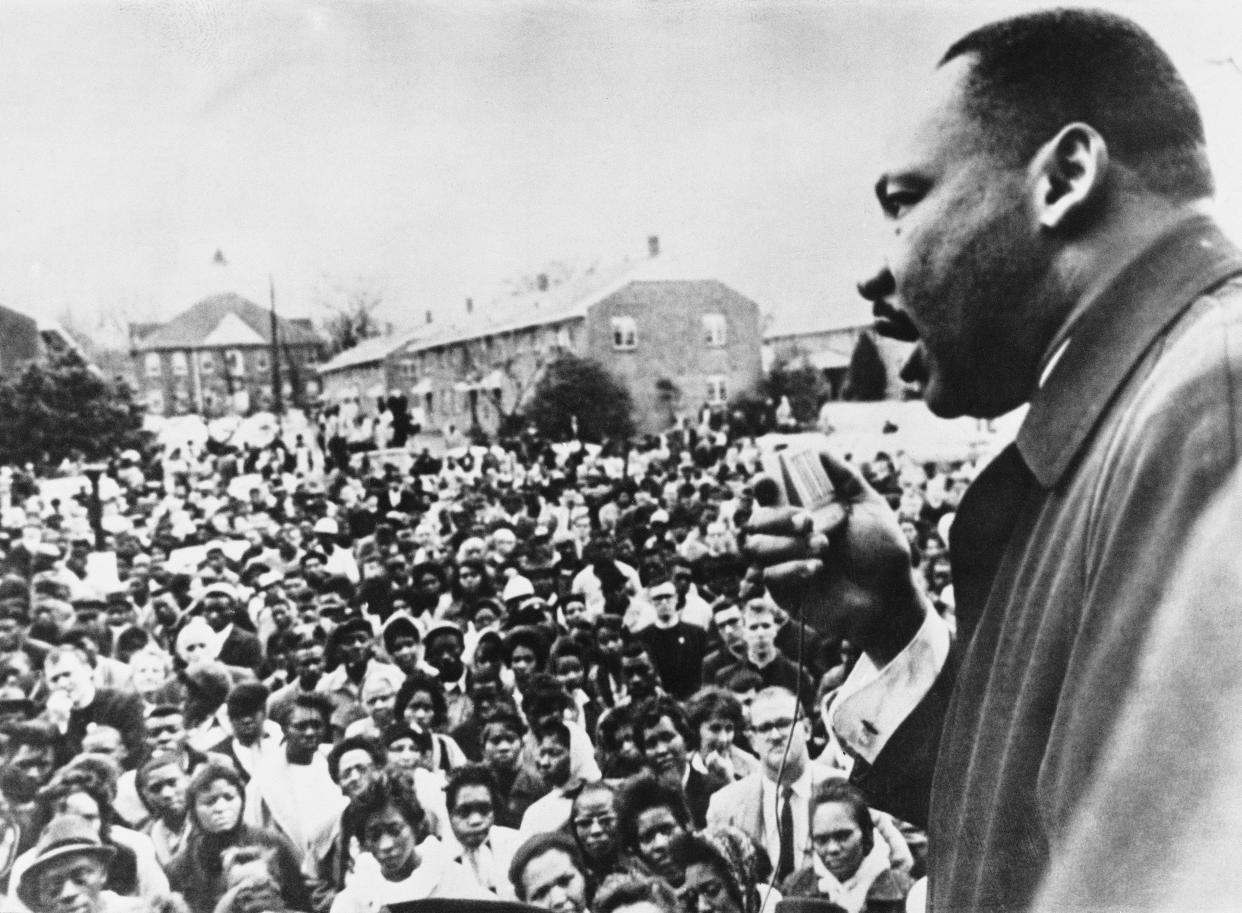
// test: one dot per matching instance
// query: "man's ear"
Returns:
(1069, 174)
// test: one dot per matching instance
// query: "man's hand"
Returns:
(843, 568)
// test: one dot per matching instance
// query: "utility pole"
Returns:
(277, 397)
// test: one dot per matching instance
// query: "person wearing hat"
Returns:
(443, 648)
(351, 646)
(339, 560)
(69, 871)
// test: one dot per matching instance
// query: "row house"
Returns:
(678, 343)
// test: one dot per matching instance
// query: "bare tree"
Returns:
(349, 306)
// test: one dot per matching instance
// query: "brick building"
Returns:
(677, 342)
(216, 358)
(828, 349)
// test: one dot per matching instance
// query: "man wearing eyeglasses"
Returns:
(677, 648)
(772, 805)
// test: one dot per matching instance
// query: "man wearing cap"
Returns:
(237, 647)
(339, 561)
(69, 871)
(443, 648)
(353, 641)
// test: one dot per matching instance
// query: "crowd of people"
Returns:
(275, 680)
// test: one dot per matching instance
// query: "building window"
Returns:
(563, 338)
(624, 333)
(717, 391)
(715, 330)
(206, 362)
(155, 400)
(152, 361)
(262, 361)
(179, 366)
(235, 363)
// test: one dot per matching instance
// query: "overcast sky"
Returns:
(430, 151)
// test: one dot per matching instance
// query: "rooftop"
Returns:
(224, 320)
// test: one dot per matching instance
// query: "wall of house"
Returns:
(672, 340)
(175, 382)
(514, 358)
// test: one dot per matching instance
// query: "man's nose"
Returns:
(890, 321)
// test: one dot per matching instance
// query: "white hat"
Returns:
(327, 525)
(517, 587)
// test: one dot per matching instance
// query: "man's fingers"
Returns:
(779, 521)
(846, 479)
(776, 550)
(787, 582)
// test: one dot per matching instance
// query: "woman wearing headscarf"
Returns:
(724, 872)
(215, 800)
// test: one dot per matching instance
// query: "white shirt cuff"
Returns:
(872, 702)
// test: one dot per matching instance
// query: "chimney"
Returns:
(429, 316)
(653, 245)
(469, 305)
(543, 282)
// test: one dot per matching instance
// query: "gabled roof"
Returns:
(371, 351)
(227, 319)
(560, 302)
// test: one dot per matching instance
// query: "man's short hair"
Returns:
(246, 698)
(502, 718)
(469, 775)
(320, 703)
(1031, 75)
(355, 743)
(643, 793)
(623, 892)
(648, 714)
(553, 729)
(712, 703)
(742, 680)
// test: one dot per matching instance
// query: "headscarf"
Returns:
(741, 864)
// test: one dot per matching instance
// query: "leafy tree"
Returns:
(580, 389)
(867, 378)
(49, 410)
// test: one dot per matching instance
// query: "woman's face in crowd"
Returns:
(420, 712)
(716, 734)
(218, 808)
(595, 823)
(470, 579)
(391, 840)
(574, 610)
(403, 754)
(655, 828)
(704, 891)
(148, 670)
(837, 839)
(524, 664)
(569, 672)
(501, 747)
